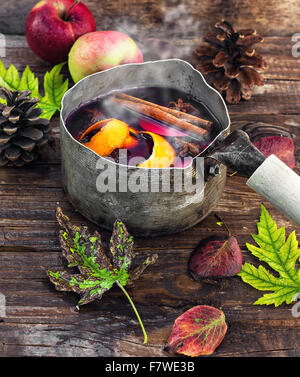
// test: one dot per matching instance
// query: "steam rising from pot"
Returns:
(173, 22)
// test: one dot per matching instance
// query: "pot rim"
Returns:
(139, 64)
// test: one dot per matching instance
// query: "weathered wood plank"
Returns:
(32, 223)
(38, 316)
(157, 18)
(88, 338)
(276, 50)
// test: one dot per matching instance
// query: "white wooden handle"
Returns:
(280, 185)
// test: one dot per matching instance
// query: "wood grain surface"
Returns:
(40, 321)
(158, 18)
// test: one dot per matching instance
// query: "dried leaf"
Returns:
(270, 139)
(98, 272)
(216, 257)
(198, 331)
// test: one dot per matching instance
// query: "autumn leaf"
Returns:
(98, 270)
(54, 86)
(215, 257)
(281, 254)
(198, 331)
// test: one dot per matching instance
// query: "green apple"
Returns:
(100, 50)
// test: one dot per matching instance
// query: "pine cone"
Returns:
(22, 132)
(230, 62)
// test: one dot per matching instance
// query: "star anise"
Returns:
(184, 107)
(185, 148)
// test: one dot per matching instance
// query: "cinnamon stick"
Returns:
(163, 116)
(197, 121)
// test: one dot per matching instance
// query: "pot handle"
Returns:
(280, 185)
(269, 177)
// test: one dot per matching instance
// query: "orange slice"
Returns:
(131, 141)
(94, 126)
(163, 154)
(111, 136)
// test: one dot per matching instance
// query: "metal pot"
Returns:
(156, 211)
(149, 213)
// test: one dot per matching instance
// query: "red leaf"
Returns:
(215, 257)
(270, 139)
(282, 147)
(198, 331)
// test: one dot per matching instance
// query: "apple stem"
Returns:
(67, 14)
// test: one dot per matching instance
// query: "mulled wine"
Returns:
(158, 127)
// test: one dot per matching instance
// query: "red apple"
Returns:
(100, 50)
(53, 26)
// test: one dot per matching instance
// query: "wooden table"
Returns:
(40, 321)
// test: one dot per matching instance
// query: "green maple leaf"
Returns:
(54, 86)
(28, 81)
(281, 255)
(9, 78)
(98, 271)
